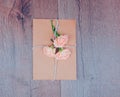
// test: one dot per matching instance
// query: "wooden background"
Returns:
(98, 48)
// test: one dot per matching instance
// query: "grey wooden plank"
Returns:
(70, 9)
(96, 89)
(45, 88)
(15, 49)
(45, 9)
(98, 48)
(105, 31)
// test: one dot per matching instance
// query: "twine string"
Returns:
(55, 61)
(55, 69)
(57, 25)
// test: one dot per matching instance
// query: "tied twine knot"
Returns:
(55, 61)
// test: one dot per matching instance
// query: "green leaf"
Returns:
(54, 29)
(52, 46)
(60, 49)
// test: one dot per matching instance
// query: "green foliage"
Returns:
(54, 29)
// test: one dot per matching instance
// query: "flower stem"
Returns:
(54, 30)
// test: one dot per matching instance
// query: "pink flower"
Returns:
(63, 55)
(61, 41)
(48, 51)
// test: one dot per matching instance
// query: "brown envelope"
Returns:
(43, 66)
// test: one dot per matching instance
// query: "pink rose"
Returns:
(61, 41)
(48, 51)
(63, 55)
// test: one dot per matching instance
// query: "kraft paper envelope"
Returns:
(43, 66)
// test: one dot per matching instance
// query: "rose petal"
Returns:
(63, 55)
(48, 51)
(61, 41)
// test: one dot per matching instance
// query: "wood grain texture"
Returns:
(45, 9)
(98, 48)
(15, 49)
(106, 48)
(70, 9)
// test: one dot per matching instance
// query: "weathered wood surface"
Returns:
(98, 48)
(15, 48)
(45, 9)
(98, 40)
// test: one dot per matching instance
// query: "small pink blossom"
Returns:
(48, 51)
(63, 55)
(61, 41)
